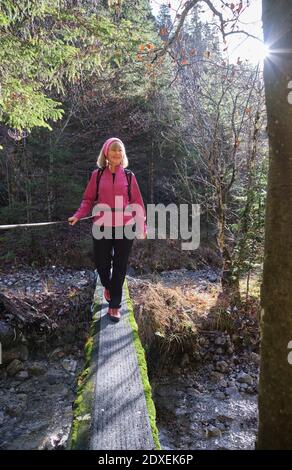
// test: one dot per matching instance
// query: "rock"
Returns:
(6, 334)
(168, 391)
(60, 390)
(245, 378)
(2, 418)
(213, 278)
(19, 352)
(243, 386)
(82, 283)
(198, 386)
(3, 374)
(219, 351)
(213, 431)
(69, 365)
(14, 367)
(22, 375)
(55, 442)
(16, 409)
(231, 391)
(255, 357)
(223, 383)
(22, 396)
(220, 341)
(222, 366)
(237, 360)
(24, 353)
(37, 368)
(220, 395)
(54, 377)
(232, 382)
(167, 397)
(216, 376)
(182, 414)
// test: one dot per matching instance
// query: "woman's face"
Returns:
(115, 154)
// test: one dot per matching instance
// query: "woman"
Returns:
(113, 186)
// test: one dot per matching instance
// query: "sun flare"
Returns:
(261, 52)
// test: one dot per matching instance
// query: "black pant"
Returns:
(114, 252)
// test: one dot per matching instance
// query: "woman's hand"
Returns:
(142, 236)
(73, 220)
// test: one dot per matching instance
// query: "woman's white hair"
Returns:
(102, 162)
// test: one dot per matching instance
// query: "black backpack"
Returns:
(128, 175)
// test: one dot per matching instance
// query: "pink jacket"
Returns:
(107, 191)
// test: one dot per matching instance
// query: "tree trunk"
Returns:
(50, 188)
(275, 387)
(229, 280)
(151, 176)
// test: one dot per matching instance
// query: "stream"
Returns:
(213, 406)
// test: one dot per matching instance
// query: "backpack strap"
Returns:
(98, 176)
(129, 174)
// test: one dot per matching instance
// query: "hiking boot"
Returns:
(107, 295)
(114, 314)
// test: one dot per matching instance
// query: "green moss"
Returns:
(82, 408)
(143, 369)
(88, 349)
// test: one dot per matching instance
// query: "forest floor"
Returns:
(44, 323)
(202, 357)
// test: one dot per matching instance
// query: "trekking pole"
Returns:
(4, 227)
